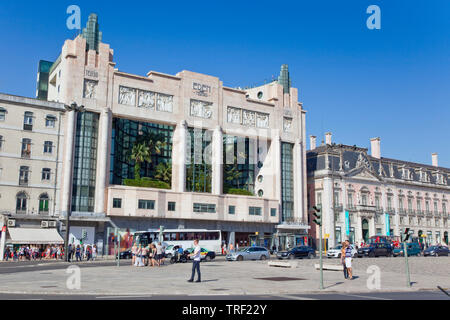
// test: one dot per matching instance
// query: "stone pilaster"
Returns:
(298, 181)
(102, 162)
(179, 155)
(327, 209)
(69, 142)
(217, 161)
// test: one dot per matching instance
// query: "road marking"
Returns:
(294, 297)
(359, 296)
(121, 297)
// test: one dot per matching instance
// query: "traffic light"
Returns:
(405, 235)
(318, 216)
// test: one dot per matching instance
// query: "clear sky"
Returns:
(392, 83)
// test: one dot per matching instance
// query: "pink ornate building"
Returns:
(363, 195)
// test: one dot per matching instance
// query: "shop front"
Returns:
(289, 236)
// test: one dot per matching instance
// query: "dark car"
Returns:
(436, 251)
(297, 252)
(125, 254)
(375, 250)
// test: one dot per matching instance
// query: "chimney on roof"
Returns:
(434, 159)
(312, 142)
(328, 136)
(375, 145)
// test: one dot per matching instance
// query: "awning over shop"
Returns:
(34, 236)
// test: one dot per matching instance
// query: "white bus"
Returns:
(211, 240)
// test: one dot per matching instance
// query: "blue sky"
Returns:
(357, 83)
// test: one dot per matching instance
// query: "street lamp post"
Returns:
(71, 108)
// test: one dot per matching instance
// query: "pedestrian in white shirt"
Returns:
(196, 256)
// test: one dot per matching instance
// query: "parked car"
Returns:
(204, 254)
(375, 250)
(413, 248)
(297, 252)
(170, 250)
(125, 254)
(436, 251)
(249, 253)
(336, 252)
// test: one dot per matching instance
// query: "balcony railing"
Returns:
(379, 210)
(366, 208)
(23, 182)
(429, 213)
(420, 213)
(20, 211)
(411, 212)
(338, 207)
(437, 214)
(351, 207)
(390, 210)
(402, 211)
(444, 214)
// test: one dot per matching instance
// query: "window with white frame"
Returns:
(48, 147)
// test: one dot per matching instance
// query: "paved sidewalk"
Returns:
(228, 278)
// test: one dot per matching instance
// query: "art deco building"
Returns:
(363, 195)
(179, 151)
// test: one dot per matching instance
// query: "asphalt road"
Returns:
(419, 295)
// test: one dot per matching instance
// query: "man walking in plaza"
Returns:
(196, 256)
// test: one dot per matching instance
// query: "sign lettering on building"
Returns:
(201, 89)
(91, 73)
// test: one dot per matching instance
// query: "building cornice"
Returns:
(132, 76)
(32, 102)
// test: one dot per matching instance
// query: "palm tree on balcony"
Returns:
(140, 153)
(164, 172)
(232, 173)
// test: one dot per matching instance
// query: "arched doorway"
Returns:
(365, 230)
(446, 237)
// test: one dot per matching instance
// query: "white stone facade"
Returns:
(40, 157)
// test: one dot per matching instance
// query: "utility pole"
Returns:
(318, 221)
(405, 237)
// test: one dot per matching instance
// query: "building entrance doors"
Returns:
(365, 230)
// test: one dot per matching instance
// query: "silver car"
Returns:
(249, 253)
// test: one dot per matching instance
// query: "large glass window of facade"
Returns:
(21, 203)
(127, 133)
(85, 162)
(198, 166)
(287, 181)
(239, 163)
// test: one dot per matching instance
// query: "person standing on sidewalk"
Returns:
(94, 252)
(348, 259)
(196, 256)
(158, 253)
(78, 253)
(344, 246)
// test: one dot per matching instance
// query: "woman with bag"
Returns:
(153, 254)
